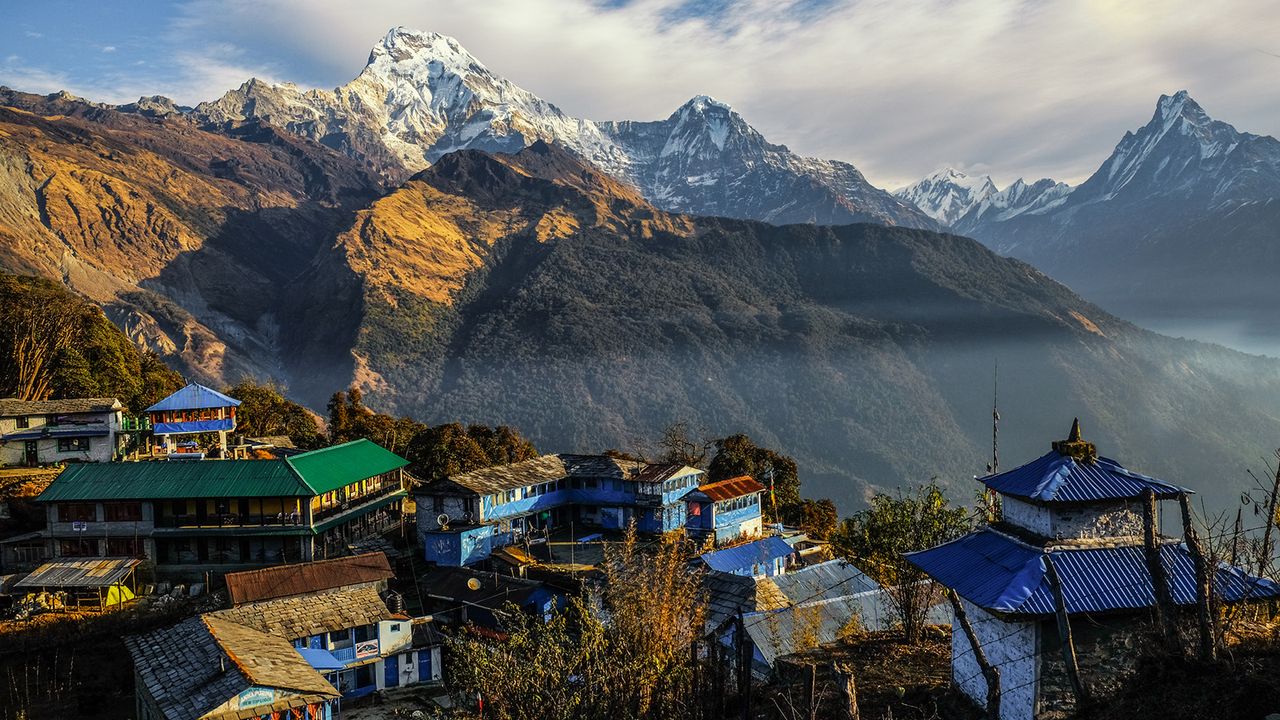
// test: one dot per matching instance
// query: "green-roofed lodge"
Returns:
(189, 517)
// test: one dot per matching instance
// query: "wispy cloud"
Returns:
(109, 48)
(33, 34)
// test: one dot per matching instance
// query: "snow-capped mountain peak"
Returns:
(422, 95)
(1182, 149)
(947, 194)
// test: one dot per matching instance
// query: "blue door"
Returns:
(391, 664)
(424, 666)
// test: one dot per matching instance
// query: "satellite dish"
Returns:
(473, 584)
(443, 520)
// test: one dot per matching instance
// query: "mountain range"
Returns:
(1177, 229)
(422, 95)
(467, 252)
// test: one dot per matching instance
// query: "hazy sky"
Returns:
(897, 87)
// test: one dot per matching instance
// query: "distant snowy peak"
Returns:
(946, 195)
(1020, 198)
(1183, 151)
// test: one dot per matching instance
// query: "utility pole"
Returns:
(995, 420)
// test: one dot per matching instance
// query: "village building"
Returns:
(214, 669)
(803, 609)
(336, 614)
(463, 519)
(193, 410)
(1068, 558)
(44, 432)
(349, 635)
(188, 518)
(728, 509)
(764, 557)
(460, 596)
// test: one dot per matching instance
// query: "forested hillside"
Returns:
(55, 344)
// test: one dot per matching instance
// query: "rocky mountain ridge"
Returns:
(422, 95)
(1176, 227)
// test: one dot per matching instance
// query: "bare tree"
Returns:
(679, 445)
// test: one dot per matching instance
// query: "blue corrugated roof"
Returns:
(744, 556)
(1059, 478)
(320, 659)
(194, 397)
(999, 573)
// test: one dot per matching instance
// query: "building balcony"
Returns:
(350, 504)
(230, 520)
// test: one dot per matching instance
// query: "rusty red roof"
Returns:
(286, 580)
(732, 488)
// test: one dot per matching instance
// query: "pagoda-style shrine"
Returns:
(192, 410)
(1059, 591)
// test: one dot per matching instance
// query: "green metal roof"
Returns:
(333, 467)
(161, 480)
(303, 475)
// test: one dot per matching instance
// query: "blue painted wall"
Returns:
(728, 525)
(455, 548)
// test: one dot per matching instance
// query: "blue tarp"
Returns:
(1058, 478)
(998, 573)
(749, 555)
(194, 397)
(320, 659)
(193, 426)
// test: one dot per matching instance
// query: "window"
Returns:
(437, 504)
(66, 445)
(364, 675)
(28, 554)
(23, 422)
(395, 627)
(78, 548)
(124, 547)
(366, 632)
(122, 511)
(340, 640)
(77, 512)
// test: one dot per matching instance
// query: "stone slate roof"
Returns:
(193, 667)
(312, 614)
(661, 472)
(299, 578)
(13, 407)
(550, 468)
(266, 660)
(547, 468)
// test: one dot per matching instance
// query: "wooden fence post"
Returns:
(989, 672)
(813, 691)
(1165, 614)
(848, 690)
(746, 656)
(1064, 633)
(1208, 648)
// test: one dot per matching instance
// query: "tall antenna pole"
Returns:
(995, 419)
